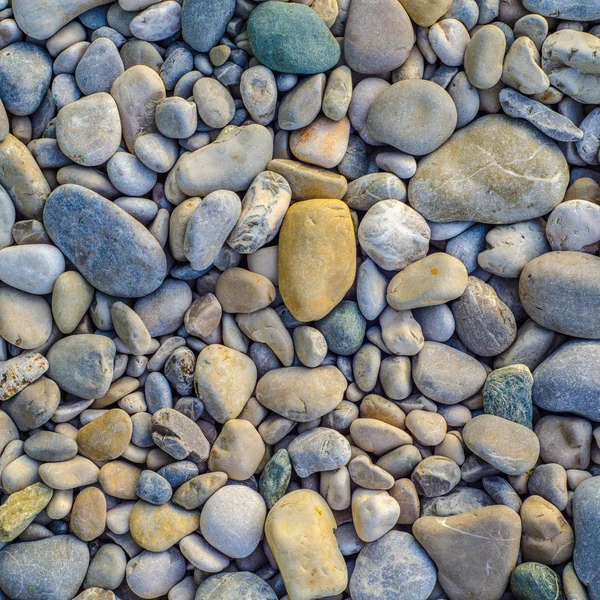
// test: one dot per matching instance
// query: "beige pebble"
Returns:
(241, 291)
(405, 494)
(203, 316)
(71, 297)
(322, 143)
(107, 437)
(335, 488)
(484, 57)
(77, 472)
(377, 407)
(377, 437)
(374, 513)
(310, 345)
(119, 478)
(88, 516)
(428, 428)
(195, 492)
(369, 476)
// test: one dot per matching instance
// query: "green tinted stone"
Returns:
(534, 581)
(21, 508)
(275, 477)
(507, 394)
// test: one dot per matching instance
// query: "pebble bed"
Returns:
(299, 300)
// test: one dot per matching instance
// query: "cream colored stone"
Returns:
(374, 513)
(322, 143)
(241, 291)
(299, 530)
(71, 297)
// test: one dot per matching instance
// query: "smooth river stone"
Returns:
(317, 257)
(43, 19)
(416, 116)
(510, 447)
(106, 437)
(88, 131)
(137, 92)
(561, 291)
(22, 178)
(25, 74)
(235, 586)
(25, 319)
(21, 508)
(378, 37)
(568, 381)
(486, 539)
(433, 280)
(157, 528)
(203, 22)
(291, 38)
(32, 268)
(53, 568)
(82, 364)
(569, 10)
(231, 162)
(496, 170)
(300, 393)
(299, 530)
(110, 248)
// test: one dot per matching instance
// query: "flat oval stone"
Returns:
(300, 393)
(510, 447)
(82, 364)
(203, 22)
(157, 528)
(559, 291)
(25, 73)
(42, 24)
(63, 554)
(107, 437)
(299, 530)
(113, 251)
(157, 22)
(378, 36)
(88, 131)
(70, 474)
(567, 381)
(99, 67)
(231, 586)
(25, 319)
(416, 116)
(571, 10)
(317, 257)
(137, 92)
(154, 574)
(32, 268)
(289, 38)
(88, 515)
(231, 162)
(22, 178)
(394, 567)
(433, 280)
(481, 174)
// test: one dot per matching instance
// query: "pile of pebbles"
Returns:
(299, 300)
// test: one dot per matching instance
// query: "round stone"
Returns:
(107, 437)
(154, 574)
(343, 328)
(32, 268)
(534, 580)
(231, 586)
(415, 116)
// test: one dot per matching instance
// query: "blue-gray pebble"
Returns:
(153, 488)
(112, 250)
(235, 586)
(344, 328)
(203, 22)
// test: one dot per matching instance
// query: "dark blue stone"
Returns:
(179, 472)
(153, 488)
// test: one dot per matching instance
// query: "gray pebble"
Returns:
(301, 106)
(234, 586)
(99, 67)
(308, 455)
(259, 93)
(179, 436)
(176, 65)
(129, 174)
(437, 322)
(153, 574)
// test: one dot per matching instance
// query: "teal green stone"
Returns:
(534, 581)
(275, 478)
(291, 38)
(344, 328)
(507, 394)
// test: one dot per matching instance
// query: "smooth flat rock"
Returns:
(559, 290)
(204, 21)
(231, 162)
(569, 10)
(290, 38)
(378, 36)
(32, 268)
(25, 74)
(496, 170)
(52, 568)
(567, 380)
(299, 530)
(316, 257)
(111, 249)
(42, 20)
(235, 586)
(510, 447)
(472, 539)
(395, 567)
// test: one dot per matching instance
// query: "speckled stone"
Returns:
(107, 437)
(534, 581)
(343, 328)
(113, 251)
(234, 586)
(507, 394)
(275, 477)
(290, 38)
(21, 508)
(19, 372)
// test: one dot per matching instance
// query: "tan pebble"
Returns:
(405, 494)
(117, 390)
(88, 516)
(484, 57)
(369, 476)
(377, 437)
(451, 447)
(335, 488)
(428, 428)
(426, 12)
(119, 478)
(377, 407)
(195, 492)
(203, 316)
(77, 472)
(374, 513)
(322, 143)
(107, 437)
(241, 291)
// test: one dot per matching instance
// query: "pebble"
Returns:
(194, 491)
(21, 508)
(586, 523)
(215, 104)
(70, 474)
(565, 441)
(204, 22)
(178, 435)
(289, 38)
(98, 68)
(313, 285)
(534, 580)
(317, 450)
(300, 528)
(470, 538)
(153, 574)
(107, 437)
(229, 586)
(507, 394)
(157, 22)
(232, 520)
(63, 554)
(153, 488)
(88, 515)
(47, 446)
(302, 105)
(522, 70)
(134, 255)
(510, 447)
(19, 372)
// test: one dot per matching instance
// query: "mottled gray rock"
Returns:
(231, 162)
(35, 404)
(321, 449)
(435, 476)
(204, 22)
(25, 73)
(496, 170)
(82, 364)
(559, 291)
(395, 567)
(548, 121)
(179, 436)
(378, 36)
(259, 93)
(7, 218)
(458, 501)
(89, 130)
(366, 191)
(53, 568)
(153, 574)
(209, 226)
(301, 105)
(235, 586)
(99, 67)
(571, 10)
(114, 252)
